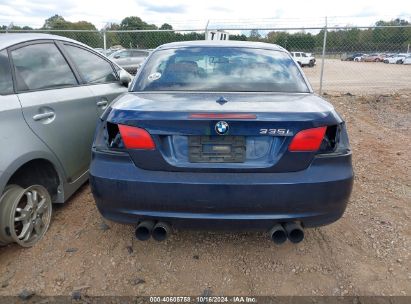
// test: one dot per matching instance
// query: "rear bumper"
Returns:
(316, 196)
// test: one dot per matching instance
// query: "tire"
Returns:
(311, 64)
(25, 215)
(399, 61)
(3, 243)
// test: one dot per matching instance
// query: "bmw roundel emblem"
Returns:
(221, 127)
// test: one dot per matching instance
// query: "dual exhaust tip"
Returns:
(279, 233)
(146, 229)
(290, 230)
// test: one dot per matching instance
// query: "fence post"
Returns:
(206, 30)
(323, 55)
(104, 41)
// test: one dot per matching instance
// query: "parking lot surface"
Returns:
(367, 252)
(359, 77)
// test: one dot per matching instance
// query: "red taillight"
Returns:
(308, 140)
(136, 138)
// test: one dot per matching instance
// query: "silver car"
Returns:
(52, 91)
(130, 59)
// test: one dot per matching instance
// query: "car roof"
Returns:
(9, 39)
(221, 43)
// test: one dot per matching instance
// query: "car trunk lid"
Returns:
(185, 128)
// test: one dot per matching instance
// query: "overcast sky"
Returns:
(194, 14)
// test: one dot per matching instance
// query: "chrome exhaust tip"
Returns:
(295, 232)
(277, 234)
(143, 230)
(161, 231)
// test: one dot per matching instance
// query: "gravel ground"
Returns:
(359, 77)
(367, 252)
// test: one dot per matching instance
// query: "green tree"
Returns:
(91, 38)
(241, 37)
(392, 39)
(166, 26)
(56, 22)
(136, 40)
(113, 38)
(255, 35)
(280, 38)
(135, 23)
(380, 39)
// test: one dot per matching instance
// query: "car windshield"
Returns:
(221, 69)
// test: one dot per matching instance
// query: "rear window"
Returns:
(221, 69)
(6, 82)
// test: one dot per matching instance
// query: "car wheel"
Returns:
(25, 214)
(311, 64)
(399, 61)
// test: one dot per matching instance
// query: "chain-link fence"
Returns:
(347, 59)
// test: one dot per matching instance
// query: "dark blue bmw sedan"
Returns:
(226, 135)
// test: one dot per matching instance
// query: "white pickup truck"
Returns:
(303, 59)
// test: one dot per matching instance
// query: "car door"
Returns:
(10, 115)
(60, 112)
(98, 73)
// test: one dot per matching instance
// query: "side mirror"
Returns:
(125, 78)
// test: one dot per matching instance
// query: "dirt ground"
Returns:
(359, 77)
(367, 252)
